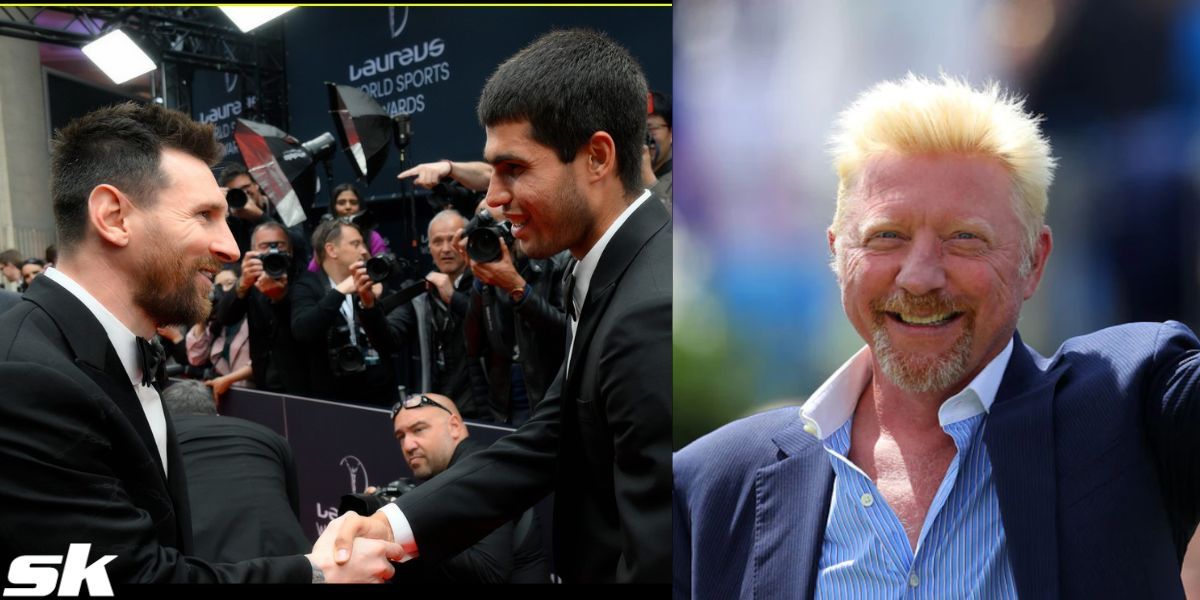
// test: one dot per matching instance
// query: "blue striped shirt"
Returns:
(961, 551)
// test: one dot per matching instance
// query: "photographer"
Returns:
(265, 302)
(433, 437)
(348, 203)
(515, 324)
(335, 318)
(249, 207)
(434, 320)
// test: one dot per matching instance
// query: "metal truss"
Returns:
(181, 38)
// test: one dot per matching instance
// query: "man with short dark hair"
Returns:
(10, 270)
(336, 319)
(88, 452)
(277, 361)
(566, 124)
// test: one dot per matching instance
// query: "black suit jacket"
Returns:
(500, 557)
(600, 440)
(242, 489)
(316, 310)
(275, 357)
(79, 461)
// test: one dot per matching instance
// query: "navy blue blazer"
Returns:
(1094, 451)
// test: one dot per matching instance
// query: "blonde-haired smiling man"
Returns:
(947, 459)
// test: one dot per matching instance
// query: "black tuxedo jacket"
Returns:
(600, 440)
(242, 488)
(79, 461)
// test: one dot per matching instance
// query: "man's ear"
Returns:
(601, 153)
(108, 214)
(457, 428)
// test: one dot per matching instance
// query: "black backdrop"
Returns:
(429, 61)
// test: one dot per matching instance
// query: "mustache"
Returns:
(903, 302)
(208, 262)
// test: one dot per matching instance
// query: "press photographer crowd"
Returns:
(180, 276)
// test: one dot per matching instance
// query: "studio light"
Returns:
(119, 57)
(248, 18)
(283, 166)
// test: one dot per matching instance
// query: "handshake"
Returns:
(357, 549)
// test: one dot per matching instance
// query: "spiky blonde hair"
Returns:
(918, 116)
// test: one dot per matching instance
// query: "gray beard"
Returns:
(922, 374)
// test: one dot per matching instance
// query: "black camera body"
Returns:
(385, 265)
(236, 198)
(366, 504)
(483, 237)
(275, 260)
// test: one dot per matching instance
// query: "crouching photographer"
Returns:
(515, 324)
(433, 437)
(336, 320)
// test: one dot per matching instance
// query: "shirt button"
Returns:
(913, 580)
(867, 499)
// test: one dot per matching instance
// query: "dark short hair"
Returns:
(34, 261)
(328, 232)
(569, 84)
(51, 254)
(271, 224)
(337, 191)
(189, 397)
(231, 170)
(120, 145)
(660, 104)
(12, 256)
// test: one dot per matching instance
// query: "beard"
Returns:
(918, 372)
(571, 221)
(167, 290)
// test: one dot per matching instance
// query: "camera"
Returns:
(484, 235)
(275, 260)
(383, 266)
(345, 357)
(366, 504)
(236, 198)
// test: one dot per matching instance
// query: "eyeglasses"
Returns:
(415, 402)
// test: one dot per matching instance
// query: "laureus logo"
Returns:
(392, 18)
(355, 467)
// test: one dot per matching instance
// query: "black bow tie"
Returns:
(154, 361)
(569, 293)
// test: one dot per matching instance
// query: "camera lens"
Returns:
(235, 198)
(350, 359)
(276, 263)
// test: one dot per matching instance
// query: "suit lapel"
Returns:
(94, 354)
(1020, 442)
(791, 509)
(624, 246)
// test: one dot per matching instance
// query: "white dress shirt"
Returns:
(125, 343)
(401, 530)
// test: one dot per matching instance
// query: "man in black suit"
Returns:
(89, 455)
(565, 120)
(241, 478)
(263, 300)
(335, 317)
